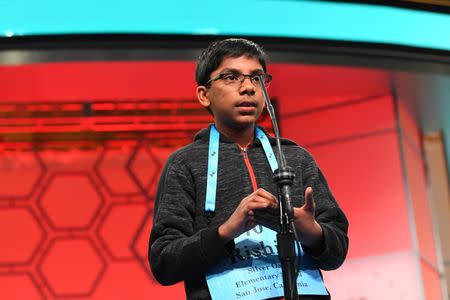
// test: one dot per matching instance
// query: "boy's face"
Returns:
(234, 105)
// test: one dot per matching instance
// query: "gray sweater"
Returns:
(184, 241)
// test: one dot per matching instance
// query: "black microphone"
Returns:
(284, 174)
(287, 236)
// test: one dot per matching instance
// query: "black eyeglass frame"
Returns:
(267, 78)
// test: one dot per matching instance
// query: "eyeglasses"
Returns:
(235, 79)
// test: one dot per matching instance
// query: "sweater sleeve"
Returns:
(331, 218)
(176, 251)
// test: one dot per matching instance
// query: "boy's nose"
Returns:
(247, 86)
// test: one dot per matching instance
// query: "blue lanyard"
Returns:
(213, 163)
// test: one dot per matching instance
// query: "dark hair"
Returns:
(212, 57)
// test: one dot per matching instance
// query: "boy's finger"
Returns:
(265, 194)
(309, 199)
(257, 205)
(271, 203)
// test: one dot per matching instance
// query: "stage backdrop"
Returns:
(82, 146)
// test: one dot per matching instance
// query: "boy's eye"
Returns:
(230, 77)
(255, 78)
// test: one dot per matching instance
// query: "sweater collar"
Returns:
(203, 135)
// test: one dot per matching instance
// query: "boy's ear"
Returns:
(202, 95)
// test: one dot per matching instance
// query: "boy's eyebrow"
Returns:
(232, 70)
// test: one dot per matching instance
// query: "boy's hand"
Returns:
(310, 231)
(243, 218)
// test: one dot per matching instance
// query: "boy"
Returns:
(201, 216)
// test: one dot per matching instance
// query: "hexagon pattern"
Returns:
(82, 264)
(144, 167)
(72, 223)
(119, 228)
(20, 235)
(70, 201)
(159, 156)
(140, 245)
(112, 171)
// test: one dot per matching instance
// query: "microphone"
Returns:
(284, 176)
(287, 236)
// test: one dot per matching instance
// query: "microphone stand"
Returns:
(286, 238)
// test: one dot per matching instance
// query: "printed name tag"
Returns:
(253, 272)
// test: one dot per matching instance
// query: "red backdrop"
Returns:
(75, 219)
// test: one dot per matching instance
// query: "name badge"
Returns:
(253, 272)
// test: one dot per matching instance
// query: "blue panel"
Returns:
(276, 18)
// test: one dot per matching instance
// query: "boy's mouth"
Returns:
(246, 107)
(246, 104)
